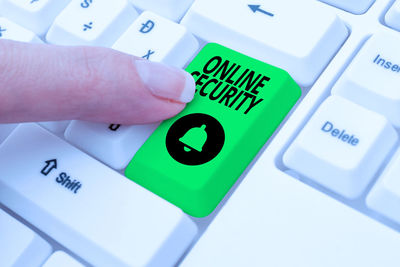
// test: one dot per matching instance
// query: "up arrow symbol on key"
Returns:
(258, 8)
(50, 165)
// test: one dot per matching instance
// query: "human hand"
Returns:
(40, 82)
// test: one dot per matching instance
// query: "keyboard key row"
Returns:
(303, 50)
(105, 218)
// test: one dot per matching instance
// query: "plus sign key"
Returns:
(158, 39)
(193, 159)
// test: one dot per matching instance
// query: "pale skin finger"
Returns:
(40, 82)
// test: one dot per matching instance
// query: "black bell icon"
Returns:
(194, 139)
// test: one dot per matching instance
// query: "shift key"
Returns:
(193, 159)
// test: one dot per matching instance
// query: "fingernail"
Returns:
(166, 81)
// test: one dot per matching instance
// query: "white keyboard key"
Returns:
(385, 195)
(55, 126)
(277, 32)
(171, 9)
(34, 15)
(155, 38)
(95, 212)
(276, 221)
(19, 245)
(392, 18)
(354, 6)
(5, 130)
(113, 144)
(61, 259)
(10, 30)
(86, 22)
(373, 77)
(342, 146)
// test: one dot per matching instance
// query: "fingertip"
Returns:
(96, 84)
(166, 81)
(189, 88)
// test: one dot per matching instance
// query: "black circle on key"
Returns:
(195, 139)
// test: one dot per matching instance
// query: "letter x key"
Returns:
(149, 53)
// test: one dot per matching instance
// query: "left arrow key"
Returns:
(50, 165)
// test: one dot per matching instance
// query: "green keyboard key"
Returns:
(193, 159)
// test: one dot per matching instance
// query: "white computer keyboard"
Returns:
(324, 192)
